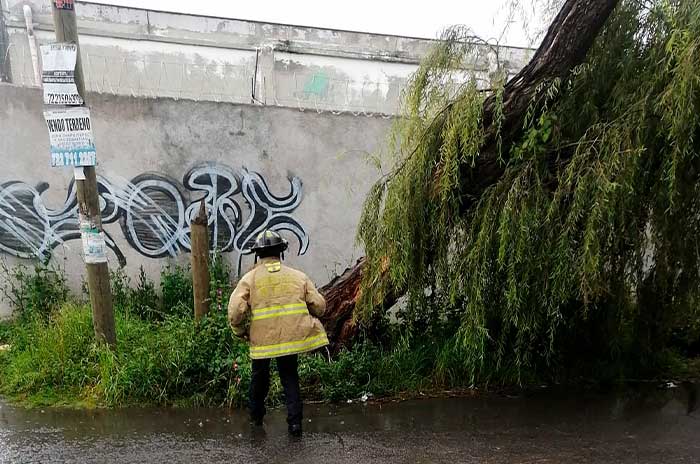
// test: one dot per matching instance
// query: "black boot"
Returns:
(294, 430)
(289, 376)
(256, 421)
(259, 386)
(257, 431)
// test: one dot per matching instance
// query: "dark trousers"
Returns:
(260, 385)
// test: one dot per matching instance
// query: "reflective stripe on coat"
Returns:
(283, 307)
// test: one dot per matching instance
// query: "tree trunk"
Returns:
(200, 262)
(341, 294)
(565, 46)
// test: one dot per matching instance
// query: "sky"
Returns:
(426, 18)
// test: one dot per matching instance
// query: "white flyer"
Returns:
(94, 245)
(58, 74)
(70, 136)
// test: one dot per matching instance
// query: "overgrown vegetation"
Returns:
(163, 357)
(581, 261)
(36, 291)
(585, 252)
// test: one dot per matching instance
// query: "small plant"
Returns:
(121, 290)
(34, 291)
(6, 331)
(220, 282)
(176, 291)
(143, 300)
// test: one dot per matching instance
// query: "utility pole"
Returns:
(4, 47)
(66, 26)
(31, 40)
(199, 233)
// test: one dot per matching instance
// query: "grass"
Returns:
(54, 361)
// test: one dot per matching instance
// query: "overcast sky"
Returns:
(424, 18)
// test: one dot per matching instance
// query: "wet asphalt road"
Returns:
(649, 424)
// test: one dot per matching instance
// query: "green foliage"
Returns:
(143, 300)
(34, 292)
(174, 361)
(177, 297)
(408, 366)
(586, 248)
(6, 331)
(57, 360)
(221, 282)
(120, 286)
(43, 289)
(50, 357)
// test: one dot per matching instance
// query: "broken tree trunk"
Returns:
(564, 47)
(341, 294)
(200, 263)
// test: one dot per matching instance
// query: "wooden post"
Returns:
(66, 26)
(199, 233)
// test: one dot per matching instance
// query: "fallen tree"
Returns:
(565, 45)
(556, 213)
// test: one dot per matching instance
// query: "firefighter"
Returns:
(284, 307)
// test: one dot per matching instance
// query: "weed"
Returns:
(176, 290)
(143, 300)
(34, 291)
(121, 291)
(221, 283)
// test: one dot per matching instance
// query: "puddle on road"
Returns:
(638, 412)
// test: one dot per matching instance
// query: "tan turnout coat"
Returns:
(283, 305)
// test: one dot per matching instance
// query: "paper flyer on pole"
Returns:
(94, 244)
(70, 136)
(58, 74)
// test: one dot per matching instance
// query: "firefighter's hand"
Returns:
(243, 335)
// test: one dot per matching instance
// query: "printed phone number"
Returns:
(88, 158)
(63, 99)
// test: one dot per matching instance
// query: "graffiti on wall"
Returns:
(154, 213)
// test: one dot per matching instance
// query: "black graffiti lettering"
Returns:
(154, 213)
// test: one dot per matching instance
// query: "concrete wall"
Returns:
(128, 51)
(302, 172)
(186, 107)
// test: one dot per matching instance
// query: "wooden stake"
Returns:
(66, 27)
(199, 233)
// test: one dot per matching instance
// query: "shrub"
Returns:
(143, 299)
(39, 290)
(53, 356)
(56, 360)
(121, 289)
(175, 361)
(176, 289)
(221, 283)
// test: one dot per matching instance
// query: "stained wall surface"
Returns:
(271, 124)
(301, 172)
(139, 52)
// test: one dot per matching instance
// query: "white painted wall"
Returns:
(144, 53)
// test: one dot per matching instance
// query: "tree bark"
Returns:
(565, 46)
(341, 295)
(200, 262)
